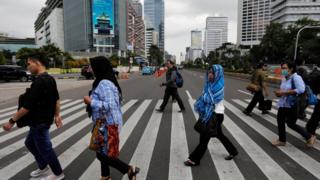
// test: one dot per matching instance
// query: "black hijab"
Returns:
(102, 69)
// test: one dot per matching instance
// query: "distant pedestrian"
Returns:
(42, 106)
(313, 123)
(258, 80)
(302, 99)
(171, 88)
(210, 107)
(291, 86)
(106, 111)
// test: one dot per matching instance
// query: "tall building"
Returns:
(88, 25)
(52, 32)
(151, 39)
(154, 18)
(216, 33)
(287, 12)
(137, 6)
(135, 30)
(196, 45)
(253, 17)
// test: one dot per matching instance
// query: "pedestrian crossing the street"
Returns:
(159, 143)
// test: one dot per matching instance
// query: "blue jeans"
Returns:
(39, 144)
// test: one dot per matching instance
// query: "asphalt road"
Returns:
(159, 142)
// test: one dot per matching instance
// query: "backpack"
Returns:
(314, 81)
(179, 80)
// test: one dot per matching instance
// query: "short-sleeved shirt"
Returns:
(41, 99)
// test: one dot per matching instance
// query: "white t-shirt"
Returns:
(219, 108)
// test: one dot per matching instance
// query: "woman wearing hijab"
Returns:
(105, 106)
(210, 104)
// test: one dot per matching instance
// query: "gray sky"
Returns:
(17, 18)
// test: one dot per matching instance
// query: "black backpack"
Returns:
(26, 119)
(314, 81)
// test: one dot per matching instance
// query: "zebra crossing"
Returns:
(251, 135)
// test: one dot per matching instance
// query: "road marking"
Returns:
(266, 164)
(299, 122)
(24, 161)
(94, 168)
(245, 92)
(189, 95)
(295, 154)
(24, 129)
(19, 144)
(178, 148)
(14, 111)
(8, 109)
(143, 153)
(226, 169)
(273, 121)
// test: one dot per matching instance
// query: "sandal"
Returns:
(105, 178)
(132, 173)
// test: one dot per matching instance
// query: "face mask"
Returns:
(285, 72)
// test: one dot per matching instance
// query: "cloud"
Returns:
(17, 17)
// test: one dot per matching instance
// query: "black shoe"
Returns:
(246, 113)
(190, 163)
(228, 158)
(265, 112)
(159, 110)
(182, 111)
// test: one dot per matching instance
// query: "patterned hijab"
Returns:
(212, 94)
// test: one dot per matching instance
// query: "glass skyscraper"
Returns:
(154, 18)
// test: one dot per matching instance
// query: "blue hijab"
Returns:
(212, 94)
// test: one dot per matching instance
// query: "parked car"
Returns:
(86, 71)
(12, 72)
(147, 70)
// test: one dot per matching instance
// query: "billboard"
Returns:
(103, 17)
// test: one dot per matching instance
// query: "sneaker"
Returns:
(311, 141)
(231, 156)
(278, 143)
(40, 172)
(265, 112)
(182, 111)
(54, 177)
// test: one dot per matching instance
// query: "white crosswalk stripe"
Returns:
(142, 154)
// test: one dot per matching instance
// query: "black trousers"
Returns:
(314, 120)
(174, 93)
(200, 150)
(289, 116)
(258, 97)
(116, 163)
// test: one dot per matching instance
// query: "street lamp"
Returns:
(297, 38)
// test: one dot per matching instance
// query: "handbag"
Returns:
(253, 87)
(266, 105)
(209, 129)
(105, 139)
(26, 119)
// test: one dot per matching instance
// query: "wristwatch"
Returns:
(11, 121)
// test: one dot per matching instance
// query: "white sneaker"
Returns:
(40, 172)
(54, 177)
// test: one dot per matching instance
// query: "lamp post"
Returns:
(297, 38)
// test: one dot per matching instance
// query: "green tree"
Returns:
(53, 53)
(156, 55)
(2, 58)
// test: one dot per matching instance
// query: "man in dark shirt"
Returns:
(171, 88)
(42, 105)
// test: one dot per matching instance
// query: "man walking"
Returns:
(171, 88)
(42, 105)
(258, 79)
